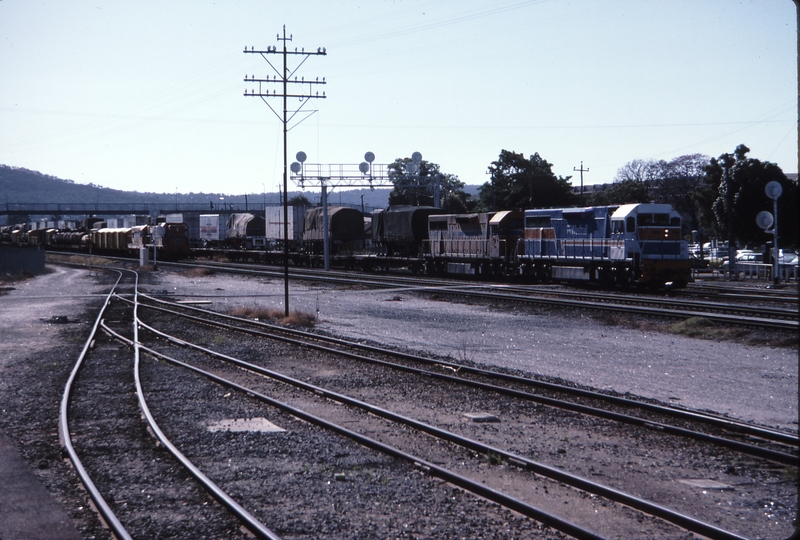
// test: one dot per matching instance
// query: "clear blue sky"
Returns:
(148, 95)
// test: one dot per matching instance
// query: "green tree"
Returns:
(741, 197)
(517, 182)
(644, 171)
(419, 189)
(678, 182)
(627, 191)
(299, 200)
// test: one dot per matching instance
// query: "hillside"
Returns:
(19, 185)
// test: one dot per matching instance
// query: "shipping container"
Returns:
(274, 219)
(210, 231)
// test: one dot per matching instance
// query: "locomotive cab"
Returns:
(649, 236)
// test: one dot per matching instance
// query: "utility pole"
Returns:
(582, 170)
(284, 77)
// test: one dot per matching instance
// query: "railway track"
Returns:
(751, 312)
(783, 318)
(132, 480)
(146, 486)
(513, 463)
(585, 442)
(594, 403)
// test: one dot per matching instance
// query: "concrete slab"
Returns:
(705, 483)
(482, 417)
(245, 424)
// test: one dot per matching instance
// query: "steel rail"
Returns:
(716, 421)
(461, 291)
(542, 469)
(766, 453)
(759, 322)
(431, 468)
(777, 312)
(249, 521)
(468, 291)
(100, 503)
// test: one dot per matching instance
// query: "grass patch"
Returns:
(694, 327)
(790, 474)
(199, 272)
(494, 459)
(297, 318)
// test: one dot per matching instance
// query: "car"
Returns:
(749, 256)
(788, 258)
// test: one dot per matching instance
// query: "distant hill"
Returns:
(19, 185)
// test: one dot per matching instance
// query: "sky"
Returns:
(149, 95)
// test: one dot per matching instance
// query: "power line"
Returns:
(283, 77)
(582, 170)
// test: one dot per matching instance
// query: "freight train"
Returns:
(171, 239)
(632, 244)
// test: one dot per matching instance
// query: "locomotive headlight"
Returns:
(666, 233)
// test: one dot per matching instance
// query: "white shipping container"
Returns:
(274, 219)
(112, 223)
(209, 228)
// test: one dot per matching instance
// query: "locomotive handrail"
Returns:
(592, 248)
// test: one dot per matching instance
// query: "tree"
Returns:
(419, 189)
(740, 197)
(627, 191)
(522, 183)
(677, 183)
(299, 200)
(639, 170)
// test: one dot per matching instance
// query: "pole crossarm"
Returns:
(283, 76)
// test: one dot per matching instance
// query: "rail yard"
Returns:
(512, 412)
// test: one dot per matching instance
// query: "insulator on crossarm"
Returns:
(252, 48)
